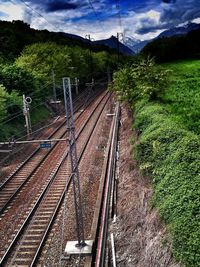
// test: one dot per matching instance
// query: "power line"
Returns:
(119, 14)
(96, 15)
(20, 113)
(40, 15)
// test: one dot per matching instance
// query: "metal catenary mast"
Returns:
(74, 161)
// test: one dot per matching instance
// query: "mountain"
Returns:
(74, 36)
(137, 45)
(176, 47)
(15, 35)
(179, 30)
(134, 44)
(112, 42)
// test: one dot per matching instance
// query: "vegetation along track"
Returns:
(15, 182)
(39, 190)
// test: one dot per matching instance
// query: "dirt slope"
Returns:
(140, 237)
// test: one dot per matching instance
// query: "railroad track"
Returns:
(40, 218)
(99, 230)
(18, 179)
(79, 102)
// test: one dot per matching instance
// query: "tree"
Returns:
(9, 103)
(14, 78)
(42, 58)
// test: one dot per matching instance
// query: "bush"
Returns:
(143, 80)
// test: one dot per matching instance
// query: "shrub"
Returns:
(143, 80)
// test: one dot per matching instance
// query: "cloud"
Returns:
(141, 19)
(165, 15)
(10, 11)
(180, 12)
(60, 5)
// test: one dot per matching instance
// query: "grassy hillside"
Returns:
(168, 147)
(182, 97)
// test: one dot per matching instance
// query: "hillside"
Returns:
(113, 42)
(165, 101)
(175, 47)
(15, 35)
(137, 45)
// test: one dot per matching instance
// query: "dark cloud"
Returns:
(57, 5)
(172, 13)
(147, 29)
(169, 1)
(60, 5)
(180, 12)
(147, 25)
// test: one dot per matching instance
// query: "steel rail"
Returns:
(103, 228)
(28, 218)
(32, 172)
(63, 194)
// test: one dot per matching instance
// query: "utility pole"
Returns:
(81, 246)
(26, 101)
(74, 160)
(90, 49)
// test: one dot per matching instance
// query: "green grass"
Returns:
(182, 96)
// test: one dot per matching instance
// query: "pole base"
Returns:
(73, 248)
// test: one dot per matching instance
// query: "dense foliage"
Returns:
(41, 58)
(142, 80)
(10, 104)
(168, 152)
(19, 79)
(176, 47)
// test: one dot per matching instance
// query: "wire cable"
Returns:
(24, 2)
(96, 15)
(119, 14)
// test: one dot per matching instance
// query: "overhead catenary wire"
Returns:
(119, 14)
(40, 15)
(19, 114)
(96, 15)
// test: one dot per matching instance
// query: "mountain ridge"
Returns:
(113, 42)
(136, 45)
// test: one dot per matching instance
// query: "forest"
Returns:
(174, 48)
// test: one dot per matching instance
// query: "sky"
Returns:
(140, 19)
